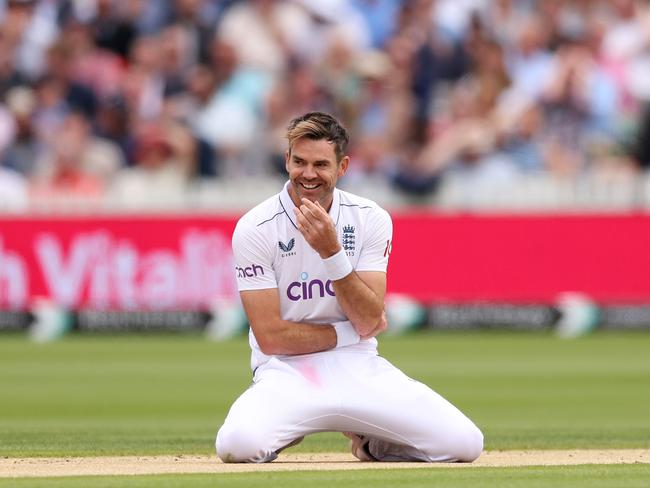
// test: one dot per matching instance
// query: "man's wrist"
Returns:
(346, 334)
(337, 266)
(328, 253)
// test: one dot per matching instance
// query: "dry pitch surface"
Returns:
(136, 465)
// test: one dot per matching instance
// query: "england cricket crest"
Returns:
(349, 239)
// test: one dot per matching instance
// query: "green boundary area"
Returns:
(99, 395)
(591, 476)
(168, 394)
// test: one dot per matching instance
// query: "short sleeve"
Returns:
(253, 258)
(377, 240)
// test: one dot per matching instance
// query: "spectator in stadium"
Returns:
(10, 77)
(13, 186)
(95, 156)
(478, 160)
(13, 191)
(230, 119)
(501, 19)
(488, 75)
(74, 165)
(551, 77)
(29, 27)
(201, 82)
(112, 26)
(7, 128)
(111, 122)
(640, 147)
(188, 33)
(529, 60)
(274, 31)
(381, 17)
(331, 21)
(20, 152)
(437, 61)
(622, 36)
(580, 103)
(518, 121)
(382, 119)
(68, 63)
(467, 157)
(144, 85)
(165, 159)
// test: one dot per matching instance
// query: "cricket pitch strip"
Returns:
(140, 465)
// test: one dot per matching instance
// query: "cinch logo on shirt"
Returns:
(249, 271)
(306, 290)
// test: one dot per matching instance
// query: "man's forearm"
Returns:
(275, 335)
(292, 338)
(286, 337)
(361, 305)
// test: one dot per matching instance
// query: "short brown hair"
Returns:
(317, 126)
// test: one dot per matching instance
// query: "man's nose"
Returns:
(309, 171)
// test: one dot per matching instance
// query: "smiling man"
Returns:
(311, 270)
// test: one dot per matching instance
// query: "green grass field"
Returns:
(168, 394)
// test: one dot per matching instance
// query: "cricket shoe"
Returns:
(291, 444)
(359, 446)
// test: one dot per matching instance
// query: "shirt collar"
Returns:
(288, 205)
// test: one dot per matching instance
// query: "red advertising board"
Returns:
(523, 258)
(143, 262)
(130, 263)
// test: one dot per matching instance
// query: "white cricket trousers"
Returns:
(345, 391)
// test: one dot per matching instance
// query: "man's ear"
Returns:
(287, 155)
(343, 165)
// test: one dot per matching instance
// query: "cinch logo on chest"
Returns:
(306, 290)
(286, 248)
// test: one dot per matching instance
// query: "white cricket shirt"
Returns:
(270, 252)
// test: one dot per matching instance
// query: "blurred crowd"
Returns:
(136, 100)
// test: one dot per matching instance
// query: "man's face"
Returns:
(313, 170)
